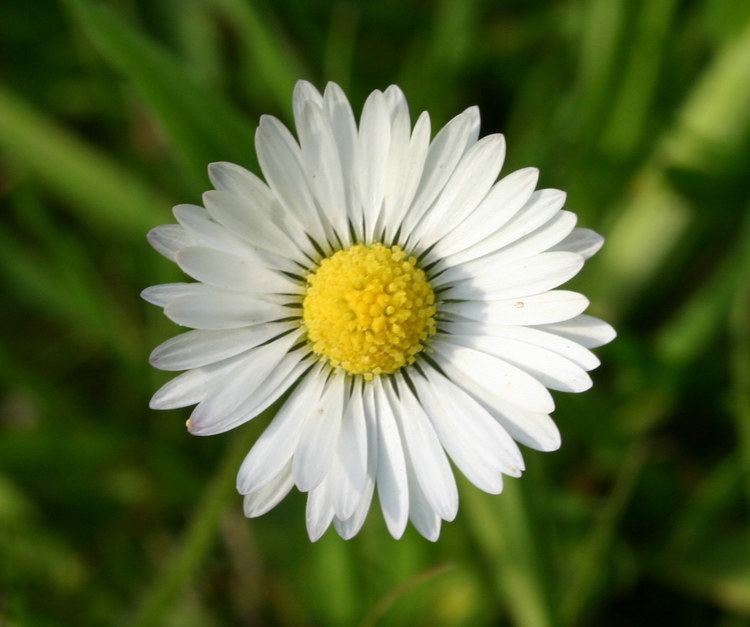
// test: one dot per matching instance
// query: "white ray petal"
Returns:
(371, 159)
(162, 295)
(349, 527)
(203, 231)
(585, 242)
(200, 348)
(319, 511)
(317, 443)
(341, 118)
(489, 372)
(431, 468)
(549, 368)
(214, 309)
(516, 279)
(234, 273)
(467, 186)
(421, 513)
(275, 446)
(501, 203)
(586, 330)
(347, 476)
(476, 443)
(549, 307)
(249, 216)
(320, 158)
(443, 155)
(393, 489)
(280, 159)
(270, 495)
(304, 93)
(168, 239)
(551, 341)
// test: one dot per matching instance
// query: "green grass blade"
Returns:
(199, 124)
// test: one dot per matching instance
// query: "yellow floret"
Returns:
(369, 309)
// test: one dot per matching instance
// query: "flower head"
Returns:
(402, 296)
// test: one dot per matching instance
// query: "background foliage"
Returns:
(111, 514)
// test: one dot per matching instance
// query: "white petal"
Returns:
(549, 307)
(249, 216)
(280, 160)
(168, 239)
(392, 483)
(275, 446)
(477, 444)
(371, 159)
(421, 514)
(404, 176)
(200, 348)
(321, 162)
(586, 330)
(234, 273)
(467, 186)
(291, 367)
(585, 242)
(516, 279)
(431, 468)
(443, 155)
(192, 386)
(214, 309)
(247, 376)
(270, 495)
(162, 295)
(534, 429)
(319, 511)
(492, 373)
(532, 244)
(347, 475)
(551, 341)
(317, 443)
(547, 367)
(203, 231)
(341, 118)
(502, 202)
(304, 93)
(350, 527)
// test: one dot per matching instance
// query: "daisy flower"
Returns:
(395, 298)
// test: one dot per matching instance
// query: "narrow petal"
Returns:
(516, 279)
(371, 159)
(549, 368)
(503, 201)
(316, 446)
(477, 444)
(443, 155)
(421, 513)
(570, 349)
(319, 511)
(234, 273)
(203, 231)
(270, 495)
(162, 295)
(393, 488)
(200, 348)
(214, 309)
(586, 330)
(549, 307)
(275, 446)
(430, 465)
(584, 242)
(168, 239)
(347, 476)
(497, 375)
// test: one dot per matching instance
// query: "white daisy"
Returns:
(402, 296)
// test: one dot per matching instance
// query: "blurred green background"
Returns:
(111, 514)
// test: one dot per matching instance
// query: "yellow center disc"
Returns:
(369, 309)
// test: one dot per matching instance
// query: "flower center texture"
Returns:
(369, 309)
